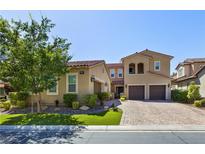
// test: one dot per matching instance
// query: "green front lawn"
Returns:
(106, 118)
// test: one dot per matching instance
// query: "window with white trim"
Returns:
(120, 73)
(72, 83)
(180, 72)
(157, 65)
(112, 73)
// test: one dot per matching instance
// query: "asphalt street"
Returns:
(102, 137)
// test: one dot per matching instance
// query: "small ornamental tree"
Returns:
(193, 92)
(30, 60)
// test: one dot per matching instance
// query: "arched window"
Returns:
(132, 68)
(140, 68)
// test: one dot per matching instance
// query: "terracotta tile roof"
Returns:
(86, 63)
(188, 60)
(111, 65)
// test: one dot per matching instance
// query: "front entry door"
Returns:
(119, 90)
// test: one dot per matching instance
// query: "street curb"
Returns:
(71, 128)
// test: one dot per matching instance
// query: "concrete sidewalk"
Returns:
(104, 128)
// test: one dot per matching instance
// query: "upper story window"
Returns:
(132, 68)
(53, 90)
(72, 83)
(180, 72)
(120, 73)
(112, 73)
(140, 68)
(157, 65)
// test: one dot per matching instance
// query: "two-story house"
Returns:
(191, 69)
(147, 76)
(117, 78)
(142, 75)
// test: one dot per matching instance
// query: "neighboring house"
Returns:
(147, 76)
(192, 69)
(117, 77)
(84, 77)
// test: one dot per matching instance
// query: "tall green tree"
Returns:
(31, 60)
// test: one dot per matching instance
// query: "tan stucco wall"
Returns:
(101, 75)
(85, 86)
(147, 78)
(164, 60)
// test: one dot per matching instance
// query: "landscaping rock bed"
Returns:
(63, 110)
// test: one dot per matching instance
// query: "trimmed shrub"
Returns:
(197, 103)
(193, 92)
(21, 104)
(203, 102)
(6, 105)
(103, 96)
(179, 95)
(75, 105)
(69, 98)
(91, 100)
(123, 98)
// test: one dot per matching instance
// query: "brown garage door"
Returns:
(136, 92)
(157, 92)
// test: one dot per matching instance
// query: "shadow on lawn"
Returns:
(42, 119)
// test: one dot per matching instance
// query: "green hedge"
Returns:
(90, 100)
(122, 98)
(199, 103)
(69, 98)
(179, 95)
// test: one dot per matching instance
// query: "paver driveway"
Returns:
(160, 113)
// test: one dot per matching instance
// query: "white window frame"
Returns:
(112, 69)
(181, 68)
(67, 82)
(155, 62)
(119, 73)
(53, 93)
